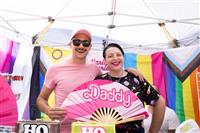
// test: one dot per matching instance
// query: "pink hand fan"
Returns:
(104, 101)
(8, 105)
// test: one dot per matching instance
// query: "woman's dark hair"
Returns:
(112, 45)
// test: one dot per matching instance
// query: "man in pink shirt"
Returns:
(64, 77)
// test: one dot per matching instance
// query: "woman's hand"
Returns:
(136, 73)
(56, 113)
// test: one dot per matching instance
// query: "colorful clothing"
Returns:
(63, 78)
(143, 90)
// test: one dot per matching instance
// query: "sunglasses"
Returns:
(78, 42)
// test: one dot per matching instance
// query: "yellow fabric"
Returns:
(56, 54)
(145, 67)
(188, 103)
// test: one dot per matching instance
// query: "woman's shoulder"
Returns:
(102, 76)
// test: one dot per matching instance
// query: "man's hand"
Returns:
(56, 113)
(136, 73)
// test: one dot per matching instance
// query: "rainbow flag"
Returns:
(177, 74)
(151, 66)
(182, 68)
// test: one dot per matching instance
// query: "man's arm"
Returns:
(136, 73)
(158, 115)
(55, 113)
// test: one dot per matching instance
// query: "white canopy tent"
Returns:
(138, 23)
(142, 24)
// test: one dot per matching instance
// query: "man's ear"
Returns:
(90, 47)
(70, 45)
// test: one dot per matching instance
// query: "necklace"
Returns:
(116, 79)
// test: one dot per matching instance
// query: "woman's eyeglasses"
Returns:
(78, 42)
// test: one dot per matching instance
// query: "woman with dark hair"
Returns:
(114, 58)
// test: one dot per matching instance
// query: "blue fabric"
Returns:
(170, 87)
(130, 60)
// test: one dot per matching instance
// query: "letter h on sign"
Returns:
(33, 128)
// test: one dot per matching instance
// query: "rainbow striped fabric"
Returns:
(177, 74)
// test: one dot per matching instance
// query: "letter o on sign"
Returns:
(42, 128)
